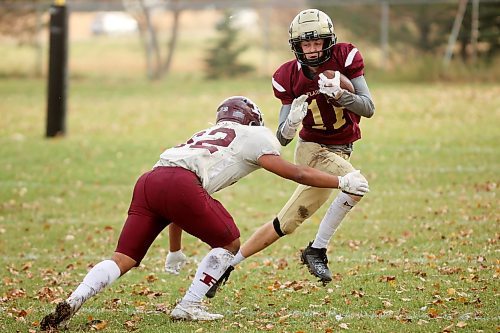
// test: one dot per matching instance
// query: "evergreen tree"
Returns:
(222, 58)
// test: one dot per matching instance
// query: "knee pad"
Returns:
(277, 228)
(283, 230)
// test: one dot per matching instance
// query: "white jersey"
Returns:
(222, 154)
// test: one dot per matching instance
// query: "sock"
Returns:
(237, 259)
(339, 208)
(99, 277)
(210, 269)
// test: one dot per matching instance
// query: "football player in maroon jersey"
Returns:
(178, 190)
(329, 129)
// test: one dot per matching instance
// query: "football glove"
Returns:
(354, 183)
(330, 87)
(174, 262)
(298, 111)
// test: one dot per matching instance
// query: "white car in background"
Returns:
(114, 23)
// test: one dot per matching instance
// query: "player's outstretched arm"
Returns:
(175, 259)
(353, 182)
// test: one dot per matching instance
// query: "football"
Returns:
(345, 83)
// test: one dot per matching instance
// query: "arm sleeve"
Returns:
(262, 142)
(361, 102)
(285, 132)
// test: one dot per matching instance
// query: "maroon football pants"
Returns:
(173, 195)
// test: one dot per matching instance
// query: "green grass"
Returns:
(419, 254)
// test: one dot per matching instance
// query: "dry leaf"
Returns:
(344, 326)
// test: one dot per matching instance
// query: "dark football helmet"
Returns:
(241, 110)
(312, 24)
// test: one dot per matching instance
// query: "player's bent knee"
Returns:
(124, 262)
(234, 246)
(277, 227)
(284, 229)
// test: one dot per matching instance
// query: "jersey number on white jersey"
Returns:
(220, 137)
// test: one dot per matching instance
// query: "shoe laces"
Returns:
(194, 305)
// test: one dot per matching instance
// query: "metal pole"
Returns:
(58, 69)
(454, 31)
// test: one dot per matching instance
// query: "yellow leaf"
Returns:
(433, 313)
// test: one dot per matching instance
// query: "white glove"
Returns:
(298, 110)
(354, 183)
(175, 261)
(330, 87)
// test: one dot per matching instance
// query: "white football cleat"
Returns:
(175, 261)
(193, 311)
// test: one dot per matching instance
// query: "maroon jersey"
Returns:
(324, 123)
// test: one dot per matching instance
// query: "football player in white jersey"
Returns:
(178, 190)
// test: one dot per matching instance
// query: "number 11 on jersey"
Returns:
(318, 120)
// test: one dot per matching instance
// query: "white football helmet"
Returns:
(312, 24)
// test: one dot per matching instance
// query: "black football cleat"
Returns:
(316, 262)
(223, 279)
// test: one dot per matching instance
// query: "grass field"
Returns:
(419, 254)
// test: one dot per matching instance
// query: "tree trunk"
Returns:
(151, 42)
(173, 40)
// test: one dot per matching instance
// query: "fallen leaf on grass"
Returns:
(433, 313)
(387, 304)
(357, 293)
(97, 325)
(391, 279)
(151, 278)
(131, 325)
(344, 326)
(284, 318)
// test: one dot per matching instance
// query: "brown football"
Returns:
(345, 83)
